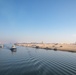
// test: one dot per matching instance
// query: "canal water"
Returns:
(31, 61)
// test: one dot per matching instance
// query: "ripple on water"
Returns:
(31, 61)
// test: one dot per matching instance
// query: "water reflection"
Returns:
(13, 52)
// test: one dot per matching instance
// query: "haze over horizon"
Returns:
(37, 21)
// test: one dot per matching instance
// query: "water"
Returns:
(31, 61)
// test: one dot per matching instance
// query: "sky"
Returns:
(50, 21)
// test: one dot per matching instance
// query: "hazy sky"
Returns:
(38, 20)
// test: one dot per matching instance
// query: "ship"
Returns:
(1, 45)
(13, 48)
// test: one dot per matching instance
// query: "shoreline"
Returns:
(50, 46)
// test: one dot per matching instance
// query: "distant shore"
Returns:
(50, 46)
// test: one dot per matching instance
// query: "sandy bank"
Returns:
(49, 46)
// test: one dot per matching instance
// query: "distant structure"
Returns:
(42, 42)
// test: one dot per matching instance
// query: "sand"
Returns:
(50, 46)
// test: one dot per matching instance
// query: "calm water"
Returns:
(31, 61)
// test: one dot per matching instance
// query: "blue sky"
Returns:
(38, 20)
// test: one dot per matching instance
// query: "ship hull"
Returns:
(13, 49)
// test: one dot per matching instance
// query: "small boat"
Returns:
(13, 48)
(1, 45)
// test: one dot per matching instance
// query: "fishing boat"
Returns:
(13, 48)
